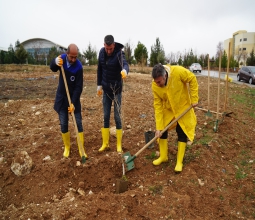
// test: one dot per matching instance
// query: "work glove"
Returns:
(71, 108)
(59, 61)
(99, 90)
(123, 73)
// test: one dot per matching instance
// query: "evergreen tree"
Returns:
(53, 53)
(141, 54)
(128, 53)
(91, 55)
(21, 53)
(157, 53)
(224, 60)
(180, 62)
(251, 59)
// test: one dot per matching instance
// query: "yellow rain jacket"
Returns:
(172, 100)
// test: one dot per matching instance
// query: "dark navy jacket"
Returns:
(74, 78)
(109, 68)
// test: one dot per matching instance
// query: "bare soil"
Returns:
(217, 181)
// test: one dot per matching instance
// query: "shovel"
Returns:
(129, 160)
(83, 158)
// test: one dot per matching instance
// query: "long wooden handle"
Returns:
(218, 95)
(166, 128)
(72, 113)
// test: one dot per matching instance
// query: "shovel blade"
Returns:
(129, 161)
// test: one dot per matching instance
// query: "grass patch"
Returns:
(151, 156)
(242, 164)
(246, 97)
(156, 190)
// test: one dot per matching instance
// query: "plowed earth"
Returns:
(217, 181)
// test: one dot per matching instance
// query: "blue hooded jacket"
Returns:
(109, 68)
(74, 78)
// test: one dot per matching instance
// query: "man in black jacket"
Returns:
(112, 68)
(74, 77)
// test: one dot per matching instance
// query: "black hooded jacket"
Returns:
(109, 68)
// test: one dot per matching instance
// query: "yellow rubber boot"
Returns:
(105, 136)
(180, 155)
(163, 150)
(80, 134)
(119, 140)
(66, 140)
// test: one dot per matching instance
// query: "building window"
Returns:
(245, 39)
(240, 40)
(244, 48)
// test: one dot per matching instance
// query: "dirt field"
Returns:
(217, 181)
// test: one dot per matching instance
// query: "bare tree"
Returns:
(170, 58)
(244, 56)
(219, 49)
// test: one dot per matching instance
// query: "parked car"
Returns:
(195, 67)
(246, 73)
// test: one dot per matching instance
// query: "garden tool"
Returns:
(129, 160)
(80, 145)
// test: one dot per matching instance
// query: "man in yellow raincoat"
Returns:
(174, 89)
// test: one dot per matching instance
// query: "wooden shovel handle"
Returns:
(166, 128)
(72, 113)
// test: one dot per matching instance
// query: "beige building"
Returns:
(241, 45)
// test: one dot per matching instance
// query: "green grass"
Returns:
(246, 97)
(151, 156)
(242, 164)
(156, 189)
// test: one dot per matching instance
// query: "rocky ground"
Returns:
(36, 182)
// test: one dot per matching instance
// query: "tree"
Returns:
(53, 53)
(21, 53)
(128, 53)
(141, 54)
(157, 53)
(251, 59)
(91, 55)
(219, 49)
(180, 61)
(224, 60)
(10, 55)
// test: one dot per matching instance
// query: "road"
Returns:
(222, 76)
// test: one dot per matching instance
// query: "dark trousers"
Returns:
(63, 118)
(182, 137)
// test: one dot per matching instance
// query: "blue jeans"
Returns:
(63, 118)
(107, 104)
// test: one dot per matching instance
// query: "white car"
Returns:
(195, 67)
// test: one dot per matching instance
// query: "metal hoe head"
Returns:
(83, 159)
(208, 114)
(129, 161)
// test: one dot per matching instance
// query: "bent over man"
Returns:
(174, 89)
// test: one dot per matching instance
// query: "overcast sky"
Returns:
(179, 24)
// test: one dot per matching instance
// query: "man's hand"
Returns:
(123, 73)
(158, 134)
(71, 108)
(194, 105)
(99, 90)
(59, 61)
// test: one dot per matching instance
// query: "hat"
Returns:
(108, 39)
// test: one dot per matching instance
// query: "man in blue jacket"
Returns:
(112, 68)
(74, 77)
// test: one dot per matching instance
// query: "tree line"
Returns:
(137, 56)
